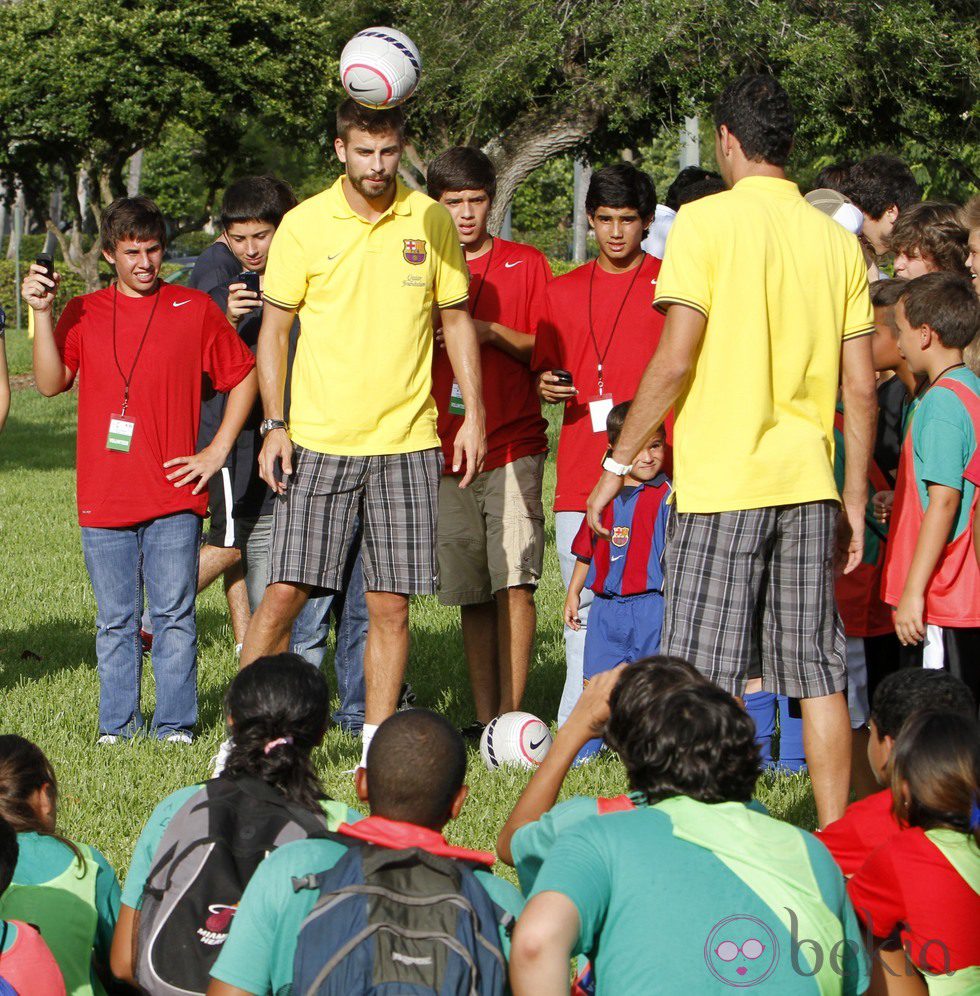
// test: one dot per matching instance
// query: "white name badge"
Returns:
(456, 406)
(121, 431)
(599, 409)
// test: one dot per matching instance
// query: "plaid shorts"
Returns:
(751, 593)
(396, 497)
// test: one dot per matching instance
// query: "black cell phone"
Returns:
(250, 280)
(48, 263)
(563, 377)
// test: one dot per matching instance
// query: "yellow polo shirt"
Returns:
(362, 376)
(782, 286)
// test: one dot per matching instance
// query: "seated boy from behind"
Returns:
(414, 785)
(931, 575)
(625, 572)
(869, 822)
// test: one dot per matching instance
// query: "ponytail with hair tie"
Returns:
(273, 744)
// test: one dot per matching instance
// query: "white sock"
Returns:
(367, 735)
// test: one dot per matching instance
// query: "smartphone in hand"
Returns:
(250, 280)
(563, 377)
(47, 262)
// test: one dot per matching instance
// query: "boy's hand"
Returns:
(240, 302)
(591, 712)
(38, 289)
(882, 504)
(550, 389)
(200, 467)
(276, 452)
(572, 620)
(909, 626)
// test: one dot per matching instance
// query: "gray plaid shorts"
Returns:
(396, 497)
(751, 593)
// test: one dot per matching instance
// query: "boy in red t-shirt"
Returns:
(491, 534)
(599, 325)
(140, 349)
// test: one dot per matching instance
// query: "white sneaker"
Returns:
(178, 738)
(220, 759)
(107, 738)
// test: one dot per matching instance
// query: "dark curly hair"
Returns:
(934, 231)
(878, 182)
(913, 689)
(278, 708)
(691, 739)
(757, 111)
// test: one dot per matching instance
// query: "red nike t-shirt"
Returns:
(507, 286)
(188, 337)
(865, 825)
(564, 342)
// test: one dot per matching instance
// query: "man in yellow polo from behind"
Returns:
(365, 264)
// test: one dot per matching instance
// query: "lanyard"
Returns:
(115, 355)
(601, 357)
(942, 373)
(483, 279)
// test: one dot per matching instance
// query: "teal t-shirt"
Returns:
(689, 897)
(258, 955)
(149, 839)
(943, 443)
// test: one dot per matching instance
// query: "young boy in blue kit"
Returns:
(625, 573)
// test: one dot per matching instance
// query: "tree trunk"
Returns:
(134, 177)
(528, 144)
(3, 213)
(54, 206)
(16, 230)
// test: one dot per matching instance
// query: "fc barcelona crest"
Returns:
(620, 535)
(414, 250)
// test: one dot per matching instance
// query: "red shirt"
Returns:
(564, 342)
(865, 825)
(507, 285)
(910, 884)
(28, 964)
(188, 337)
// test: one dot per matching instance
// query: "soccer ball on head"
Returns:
(515, 738)
(380, 67)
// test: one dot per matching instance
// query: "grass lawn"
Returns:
(50, 688)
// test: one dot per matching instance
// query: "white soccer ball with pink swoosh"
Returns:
(380, 67)
(515, 738)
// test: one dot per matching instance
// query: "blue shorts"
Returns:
(621, 628)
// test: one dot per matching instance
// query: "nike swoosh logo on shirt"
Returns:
(334, 256)
(180, 304)
(535, 746)
(620, 557)
(507, 266)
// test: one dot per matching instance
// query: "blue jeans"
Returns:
(567, 524)
(311, 634)
(163, 555)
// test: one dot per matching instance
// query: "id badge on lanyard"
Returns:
(599, 409)
(121, 431)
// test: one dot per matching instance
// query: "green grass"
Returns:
(49, 687)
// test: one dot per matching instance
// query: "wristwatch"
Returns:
(268, 424)
(614, 467)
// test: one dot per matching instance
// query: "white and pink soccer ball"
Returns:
(515, 738)
(380, 67)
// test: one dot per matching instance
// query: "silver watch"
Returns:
(268, 424)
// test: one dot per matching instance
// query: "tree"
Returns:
(86, 83)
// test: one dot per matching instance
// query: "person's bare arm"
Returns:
(205, 464)
(464, 357)
(860, 398)
(579, 573)
(122, 954)
(50, 373)
(663, 380)
(587, 720)
(270, 360)
(944, 505)
(4, 385)
(542, 946)
(519, 345)
(218, 988)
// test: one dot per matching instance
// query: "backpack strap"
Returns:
(615, 804)
(315, 824)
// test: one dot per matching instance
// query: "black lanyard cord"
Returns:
(115, 354)
(601, 357)
(483, 279)
(942, 373)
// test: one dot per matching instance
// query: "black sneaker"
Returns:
(473, 732)
(406, 697)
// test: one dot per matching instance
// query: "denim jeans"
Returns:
(311, 633)
(567, 524)
(162, 555)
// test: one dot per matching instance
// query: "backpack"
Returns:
(399, 921)
(208, 852)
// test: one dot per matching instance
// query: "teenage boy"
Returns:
(757, 504)
(491, 534)
(625, 573)
(364, 264)
(870, 822)
(927, 238)
(142, 348)
(931, 575)
(598, 327)
(882, 187)
(414, 785)
(741, 885)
